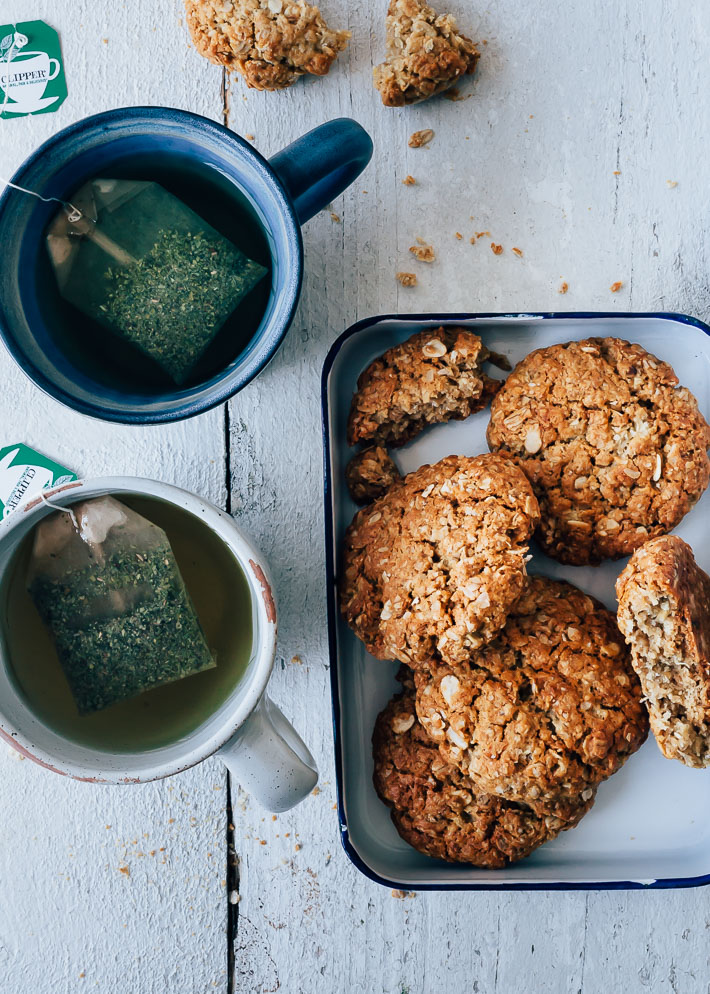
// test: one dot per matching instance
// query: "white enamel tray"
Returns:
(650, 826)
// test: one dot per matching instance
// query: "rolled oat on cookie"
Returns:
(270, 42)
(431, 569)
(426, 54)
(544, 712)
(433, 377)
(616, 450)
(440, 811)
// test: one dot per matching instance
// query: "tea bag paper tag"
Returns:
(24, 473)
(32, 77)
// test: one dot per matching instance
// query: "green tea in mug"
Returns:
(104, 606)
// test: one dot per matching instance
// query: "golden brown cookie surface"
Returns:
(431, 569)
(664, 614)
(615, 450)
(270, 42)
(438, 810)
(433, 377)
(545, 711)
(426, 54)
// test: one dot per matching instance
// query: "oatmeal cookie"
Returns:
(270, 42)
(434, 376)
(615, 450)
(425, 54)
(369, 474)
(544, 712)
(431, 569)
(664, 613)
(438, 810)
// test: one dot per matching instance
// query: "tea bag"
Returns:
(106, 583)
(135, 258)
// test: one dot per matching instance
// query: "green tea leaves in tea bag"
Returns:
(135, 258)
(106, 583)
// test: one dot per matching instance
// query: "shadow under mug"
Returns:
(281, 193)
(248, 732)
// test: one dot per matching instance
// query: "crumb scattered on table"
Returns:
(564, 287)
(615, 287)
(249, 137)
(496, 249)
(454, 94)
(407, 279)
(409, 181)
(335, 217)
(458, 235)
(422, 252)
(672, 184)
(421, 138)
(516, 251)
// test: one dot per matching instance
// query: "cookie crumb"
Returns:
(615, 287)
(422, 252)
(298, 847)
(335, 217)
(517, 251)
(407, 279)
(315, 791)
(455, 95)
(617, 172)
(458, 235)
(564, 287)
(496, 249)
(249, 138)
(124, 870)
(420, 138)
(483, 234)
(671, 184)
(409, 181)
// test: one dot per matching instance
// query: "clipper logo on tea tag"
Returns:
(24, 473)
(31, 70)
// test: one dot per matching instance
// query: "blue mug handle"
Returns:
(316, 168)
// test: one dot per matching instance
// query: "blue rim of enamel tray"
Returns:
(331, 599)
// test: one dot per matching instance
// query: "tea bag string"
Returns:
(73, 213)
(58, 507)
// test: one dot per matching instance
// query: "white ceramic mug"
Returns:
(27, 92)
(250, 734)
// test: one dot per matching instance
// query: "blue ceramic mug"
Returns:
(281, 194)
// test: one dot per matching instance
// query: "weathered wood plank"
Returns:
(68, 909)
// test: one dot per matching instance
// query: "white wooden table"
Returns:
(578, 118)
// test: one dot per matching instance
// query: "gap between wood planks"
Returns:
(232, 874)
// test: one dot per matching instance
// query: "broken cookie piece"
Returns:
(433, 377)
(425, 54)
(664, 614)
(270, 42)
(369, 474)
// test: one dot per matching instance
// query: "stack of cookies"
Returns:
(519, 695)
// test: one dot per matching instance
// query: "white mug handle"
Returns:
(270, 760)
(53, 75)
